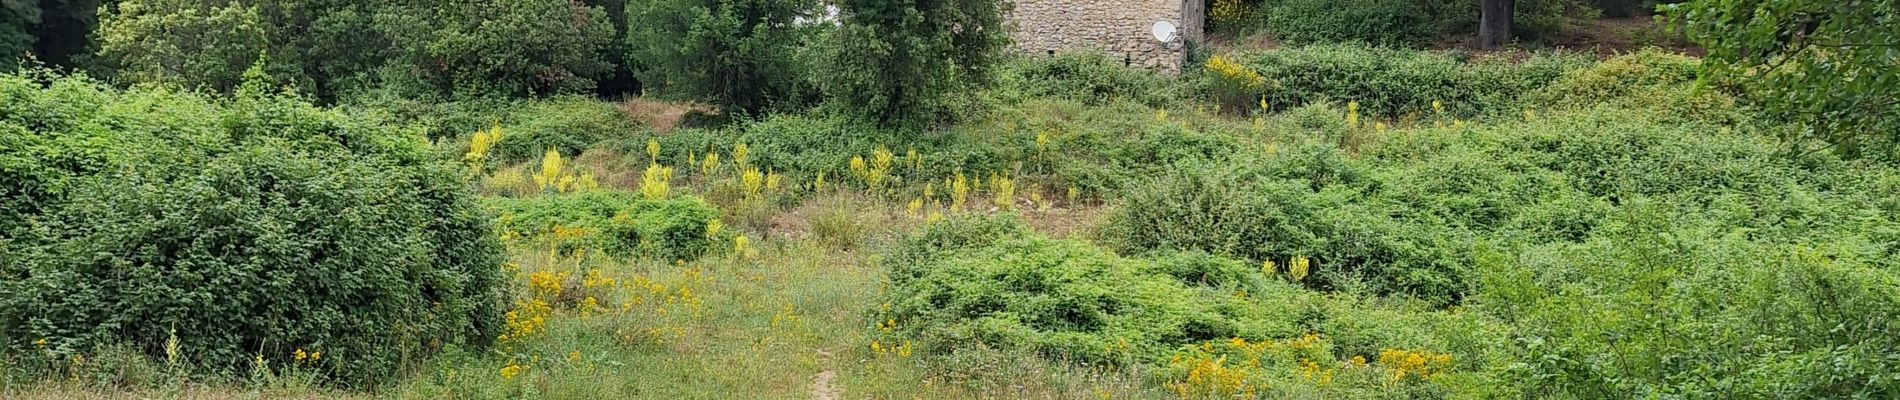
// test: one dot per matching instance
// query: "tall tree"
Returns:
(739, 54)
(18, 20)
(1830, 67)
(894, 62)
(1494, 23)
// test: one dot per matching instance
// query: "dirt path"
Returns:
(821, 388)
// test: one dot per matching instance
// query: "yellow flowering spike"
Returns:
(1298, 268)
(742, 247)
(653, 151)
(1352, 115)
(550, 173)
(741, 155)
(1437, 107)
(914, 208)
(654, 182)
(752, 183)
(511, 371)
(710, 165)
(1075, 194)
(1267, 267)
(819, 183)
(1003, 190)
(1378, 127)
(959, 192)
(299, 355)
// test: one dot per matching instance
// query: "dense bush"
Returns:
(894, 63)
(333, 48)
(966, 286)
(1666, 302)
(621, 223)
(1388, 82)
(989, 282)
(1248, 213)
(234, 229)
(739, 54)
(1382, 22)
(467, 48)
(1406, 22)
(1089, 77)
(1648, 81)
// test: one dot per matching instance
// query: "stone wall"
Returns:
(1120, 28)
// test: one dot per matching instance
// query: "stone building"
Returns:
(1120, 28)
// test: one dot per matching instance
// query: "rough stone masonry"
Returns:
(1120, 28)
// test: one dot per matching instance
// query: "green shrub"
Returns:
(895, 63)
(1648, 81)
(1088, 77)
(738, 54)
(1407, 23)
(241, 228)
(1246, 213)
(1663, 302)
(988, 281)
(1390, 83)
(474, 48)
(1381, 22)
(621, 223)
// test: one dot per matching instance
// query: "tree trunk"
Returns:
(1494, 23)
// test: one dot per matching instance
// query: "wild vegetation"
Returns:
(348, 199)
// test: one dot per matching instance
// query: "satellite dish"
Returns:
(1164, 31)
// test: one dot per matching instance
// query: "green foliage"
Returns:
(1407, 23)
(896, 63)
(1696, 311)
(1381, 22)
(1826, 66)
(467, 48)
(988, 281)
(193, 43)
(623, 224)
(1387, 82)
(244, 228)
(1088, 77)
(739, 54)
(1648, 81)
(17, 22)
(334, 48)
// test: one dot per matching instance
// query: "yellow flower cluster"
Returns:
(1003, 191)
(876, 171)
(527, 319)
(555, 176)
(656, 181)
(511, 371)
(1297, 268)
(1401, 364)
(478, 147)
(959, 192)
(301, 356)
(1208, 379)
(1231, 72)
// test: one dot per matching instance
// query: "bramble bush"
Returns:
(237, 229)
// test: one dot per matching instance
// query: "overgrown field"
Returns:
(1332, 221)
